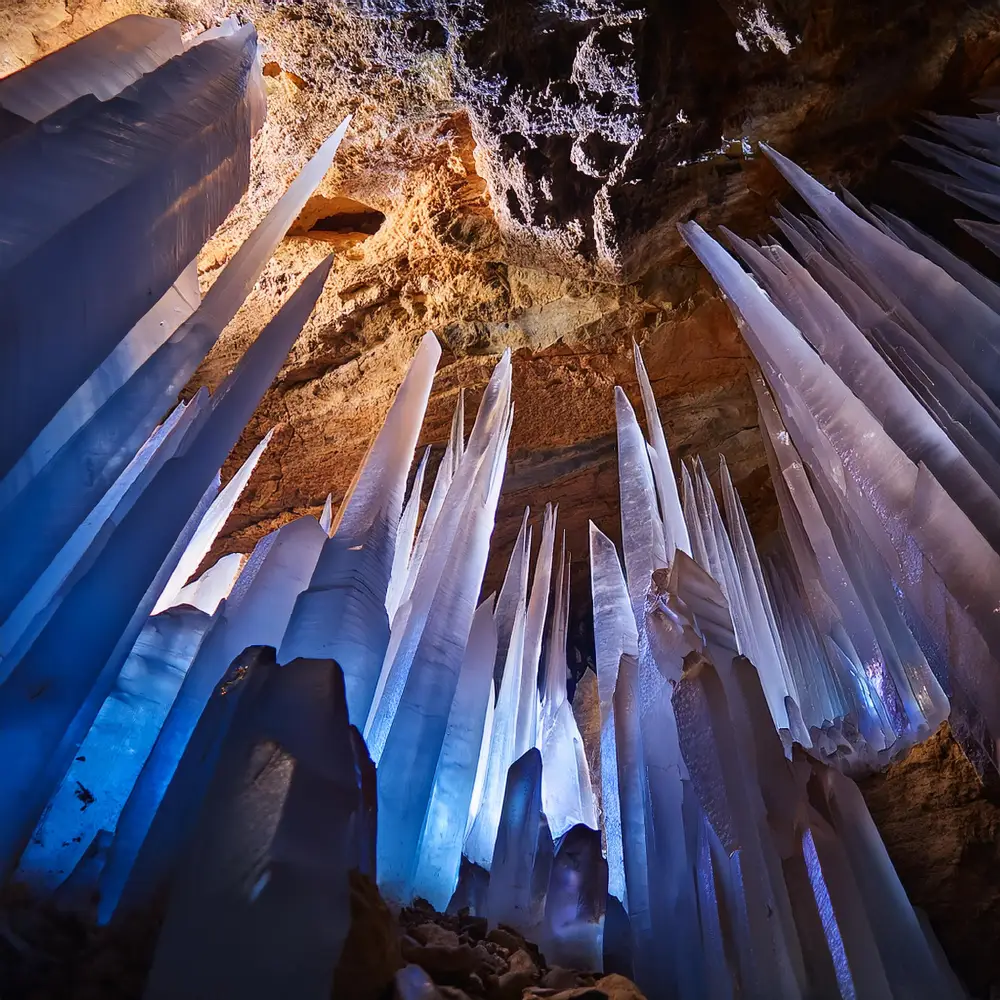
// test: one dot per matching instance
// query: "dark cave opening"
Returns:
(368, 223)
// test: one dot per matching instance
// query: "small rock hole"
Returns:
(340, 220)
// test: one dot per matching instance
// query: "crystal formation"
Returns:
(346, 699)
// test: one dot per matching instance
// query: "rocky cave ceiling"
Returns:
(513, 177)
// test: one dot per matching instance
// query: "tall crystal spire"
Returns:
(417, 727)
(343, 615)
(110, 429)
(567, 796)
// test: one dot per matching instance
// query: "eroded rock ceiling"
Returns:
(513, 177)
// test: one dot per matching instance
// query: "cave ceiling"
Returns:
(513, 177)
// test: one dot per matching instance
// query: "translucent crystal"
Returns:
(567, 797)
(212, 523)
(713, 754)
(405, 535)
(515, 585)
(65, 186)
(634, 805)
(522, 862)
(289, 869)
(342, 615)
(587, 713)
(867, 375)
(109, 759)
(615, 635)
(472, 889)
(526, 735)
(417, 728)
(177, 304)
(213, 586)
(439, 853)
(675, 534)
(965, 326)
(910, 963)
(461, 495)
(574, 903)
(102, 63)
(110, 601)
(62, 494)
(255, 614)
(499, 755)
(158, 818)
(442, 481)
(915, 527)
(41, 601)
(642, 527)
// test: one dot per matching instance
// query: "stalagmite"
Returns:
(442, 481)
(276, 889)
(417, 730)
(587, 713)
(176, 306)
(255, 614)
(342, 614)
(528, 706)
(59, 497)
(567, 797)
(156, 823)
(575, 900)
(615, 636)
(214, 585)
(713, 756)
(113, 753)
(405, 537)
(210, 526)
(642, 528)
(470, 487)
(522, 862)
(499, 755)
(512, 593)
(634, 807)
(675, 535)
(439, 853)
(40, 602)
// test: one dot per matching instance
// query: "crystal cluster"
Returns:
(346, 699)
(879, 403)
(742, 859)
(122, 153)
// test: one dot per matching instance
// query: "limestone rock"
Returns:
(441, 953)
(522, 973)
(619, 988)
(942, 831)
(613, 987)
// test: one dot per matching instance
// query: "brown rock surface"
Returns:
(942, 832)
